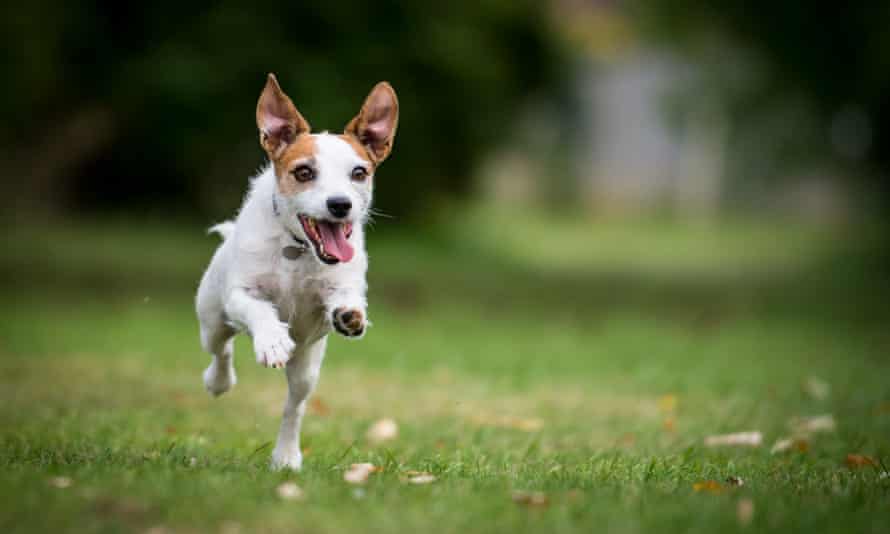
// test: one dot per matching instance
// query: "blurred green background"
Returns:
(608, 230)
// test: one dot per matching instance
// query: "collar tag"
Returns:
(295, 250)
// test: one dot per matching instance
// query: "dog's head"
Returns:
(324, 181)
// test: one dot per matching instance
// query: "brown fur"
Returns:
(361, 150)
(277, 118)
(380, 103)
(302, 149)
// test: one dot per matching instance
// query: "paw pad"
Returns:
(349, 322)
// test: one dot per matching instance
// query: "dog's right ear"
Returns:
(277, 118)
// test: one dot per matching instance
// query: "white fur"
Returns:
(287, 306)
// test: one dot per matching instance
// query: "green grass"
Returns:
(515, 354)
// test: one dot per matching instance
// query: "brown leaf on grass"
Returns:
(744, 511)
(781, 445)
(318, 407)
(805, 426)
(289, 491)
(531, 499)
(816, 388)
(708, 486)
(786, 444)
(735, 481)
(420, 478)
(359, 473)
(855, 461)
(60, 482)
(744, 439)
(382, 430)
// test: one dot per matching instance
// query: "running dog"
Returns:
(291, 267)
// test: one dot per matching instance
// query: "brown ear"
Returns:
(375, 125)
(277, 118)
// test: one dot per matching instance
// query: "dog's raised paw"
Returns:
(273, 346)
(349, 321)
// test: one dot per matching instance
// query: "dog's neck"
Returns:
(301, 244)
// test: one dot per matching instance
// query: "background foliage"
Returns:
(152, 104)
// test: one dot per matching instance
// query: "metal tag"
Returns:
(292, 252)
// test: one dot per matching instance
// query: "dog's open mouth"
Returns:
(330, 239)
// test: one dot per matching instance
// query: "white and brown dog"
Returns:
(292, 265)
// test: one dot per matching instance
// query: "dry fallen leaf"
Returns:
(735, 481)
(744, 511)
(318, 407)
(781, 445)
(708, 486)
(383, 430)
(804, 426)
(359, 473)
(60, 482)
(747, 439)
(786, 444)
(859, 460)
(816, 388)
(289, 491)
(532, 499)
(422, 478)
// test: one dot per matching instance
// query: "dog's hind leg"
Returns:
(218, 338)
(302, 375)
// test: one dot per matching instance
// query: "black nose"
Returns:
(339, 206)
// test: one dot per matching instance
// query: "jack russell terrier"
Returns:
(292, 265)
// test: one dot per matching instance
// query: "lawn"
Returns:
(553, 375)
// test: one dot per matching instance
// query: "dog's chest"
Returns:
(300, 291)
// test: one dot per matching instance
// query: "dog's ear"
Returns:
(277, 118)
(375, 125)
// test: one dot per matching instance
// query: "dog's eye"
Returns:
(359, 174)
(303, 173)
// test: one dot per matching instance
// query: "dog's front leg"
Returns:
(347, 310)
(271, 337)
(302, 375)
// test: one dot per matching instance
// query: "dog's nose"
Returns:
(339, 206)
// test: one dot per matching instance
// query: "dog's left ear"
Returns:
(375, 125)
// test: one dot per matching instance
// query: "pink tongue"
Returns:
(333, 237)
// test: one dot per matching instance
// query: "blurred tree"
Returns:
(802, 82)
(112, 104)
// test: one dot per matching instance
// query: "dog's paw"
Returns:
(282, 461)
(219, 379)
(273, 346)
(349, 321)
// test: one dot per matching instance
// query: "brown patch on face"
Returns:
(302, 149)
(361, 150)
